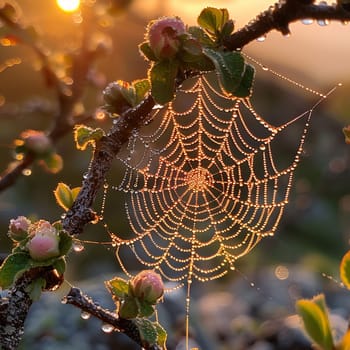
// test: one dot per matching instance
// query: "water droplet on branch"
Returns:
(307, 21)
(261, 38)
(107, 328)
(78, 246)
(323, 22)
(85, 315)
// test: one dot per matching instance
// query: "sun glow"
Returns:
(68, 5)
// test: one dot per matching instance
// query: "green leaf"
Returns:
(84, 136)
(148, 331)
(192, 56)
(230, 66)
(129, 308)
(201, 36)
(12, 266)
(117, 287)
(65, 244)
(63, 195)
(52, 163)
(145, 309)
(35, 288)
(75, 191)
(60, 265)
(245, 87)
(316, 322)
(162, 335)
(141, 88)
(227, 29)
(345, 270)
(147, 51)
(212, 19)
(346, 131)
(162, 76)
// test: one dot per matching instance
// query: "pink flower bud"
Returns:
(44, 243)
(147, 286)
(18, 228)
(163, 36)
(36, 141)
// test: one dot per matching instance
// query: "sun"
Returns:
(68, 5)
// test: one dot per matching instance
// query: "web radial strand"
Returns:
(204, 182)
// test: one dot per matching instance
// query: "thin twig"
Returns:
(280, 16)
(75, 297)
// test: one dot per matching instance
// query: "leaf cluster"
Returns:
(314, 314)
(65, 196)
(19, 261)
(131, 307)
(202, 49)
(120, 96)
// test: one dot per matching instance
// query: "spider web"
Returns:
(204, 183)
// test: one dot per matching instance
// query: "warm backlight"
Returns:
(68, 5)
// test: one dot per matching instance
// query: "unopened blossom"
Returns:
(18, 228)
(36, 141)
(147, 286)
(164, 36)
(44, 243)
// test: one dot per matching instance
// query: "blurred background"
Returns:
(238, 311)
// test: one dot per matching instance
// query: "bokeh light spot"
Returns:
(281, 272)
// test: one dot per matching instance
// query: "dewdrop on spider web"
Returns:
(204, 184)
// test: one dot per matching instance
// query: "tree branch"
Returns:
(280, 16)
(15, 307)
(128, 327)
(13, 312)
(81, 213)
